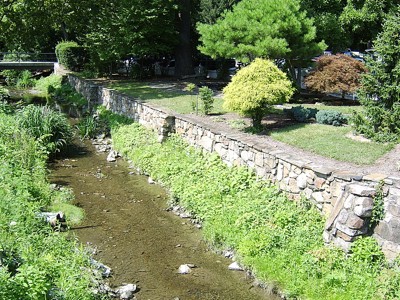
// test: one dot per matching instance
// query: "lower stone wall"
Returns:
(345, 198)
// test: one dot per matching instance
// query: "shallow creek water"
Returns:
(127, 222)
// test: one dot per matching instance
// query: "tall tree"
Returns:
(329, 28)
(380, 91)
(363, 19)
(183, 50)
(211, 10)
(36, 25)
(271, 29)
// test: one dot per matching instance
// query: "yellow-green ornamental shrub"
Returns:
(255, 88)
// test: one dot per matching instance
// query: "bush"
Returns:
(330, 117)
(48, 84)
(49, 127)
(71, 55)
(300, 113)
(25, 80)
(102, 122)
(255, 88)
(4, 94)
(206, 96)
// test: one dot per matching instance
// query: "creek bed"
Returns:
(128, 223)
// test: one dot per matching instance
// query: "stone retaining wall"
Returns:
(345, 198)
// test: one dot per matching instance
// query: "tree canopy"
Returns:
(266, 28)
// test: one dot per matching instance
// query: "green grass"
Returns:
(331, 141)
(163, 95)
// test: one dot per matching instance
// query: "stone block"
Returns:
(350, 232)
(309, 173)
(293, 186)
(348, 203)
(344, 236)
(339, 242)
(220, 149)
(363, 206)
(383, 230)
(296, 170)
(307, 192)
(394, 210)
(394, 192)
(279, 173)
(319, 182)
(375, 177)
(326, 236)
(247, 155)
(343, 216)
(302, 181)
(394, 225)
(259, 159)
(260, 172)
(361, 190)
(354, 222)
(317, 196)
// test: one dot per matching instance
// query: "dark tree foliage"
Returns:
(336, 73)
(211, 10)
(380, 92)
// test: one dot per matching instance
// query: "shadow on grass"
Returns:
(145, 90)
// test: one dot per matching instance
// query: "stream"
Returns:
(127, 222)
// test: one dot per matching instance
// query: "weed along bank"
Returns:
(354, 203)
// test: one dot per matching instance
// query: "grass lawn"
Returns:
(331, 141)
(165, 95)
(328, 141)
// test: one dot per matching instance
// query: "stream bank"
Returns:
(128, 225)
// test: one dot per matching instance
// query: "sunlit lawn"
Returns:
(164, 95)
(331, 141)
(328, 141)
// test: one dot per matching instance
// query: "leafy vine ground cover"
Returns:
(279, 240)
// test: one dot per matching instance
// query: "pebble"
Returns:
(184, 269)
(126, 292)
(235, 267)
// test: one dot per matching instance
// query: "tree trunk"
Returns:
(183, 51)
(256, 118)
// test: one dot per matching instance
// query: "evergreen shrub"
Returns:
(379, 92)
(330, 117)
(71, 55)
(255, 88)
(300, 113)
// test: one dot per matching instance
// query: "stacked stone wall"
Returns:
(345, 198)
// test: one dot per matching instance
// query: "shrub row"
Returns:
(279, 240)
(71, 55)
(327, 117)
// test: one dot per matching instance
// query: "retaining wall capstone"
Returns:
(346, 198)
